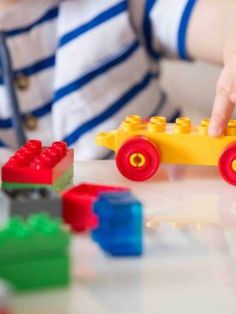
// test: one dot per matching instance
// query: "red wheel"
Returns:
(138, 159)
(227, 164)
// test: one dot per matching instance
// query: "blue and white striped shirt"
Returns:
(87, 67)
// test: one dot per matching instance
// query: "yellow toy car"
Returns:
(141, 146)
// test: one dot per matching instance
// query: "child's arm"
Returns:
(5, 4)
(212, 37)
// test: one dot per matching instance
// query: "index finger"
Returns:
(221, 112)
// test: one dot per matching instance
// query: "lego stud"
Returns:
(27, 153)
(43, 224)
(45, 160)
(132, 122)
(203, 127)
(35, 146)
(54, 155)
(231, 128)
(182, 126)
(183, 120)
(157, 124)
(62, 145)
(60, 148)
(49, 160)
(17, 228)
(158, 119)
(133, 118)
(19, 159)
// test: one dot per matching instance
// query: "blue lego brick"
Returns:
(122, 247)
(120, 227)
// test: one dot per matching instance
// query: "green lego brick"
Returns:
(18, 186)
(34, 237)
(61, 184)
(35, 253)
(48, 272)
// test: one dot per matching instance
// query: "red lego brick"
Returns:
(35, 164)
(78, 205)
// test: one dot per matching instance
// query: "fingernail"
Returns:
(213, 130)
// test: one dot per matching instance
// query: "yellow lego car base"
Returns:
(142, 145)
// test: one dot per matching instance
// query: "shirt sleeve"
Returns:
(164, 26)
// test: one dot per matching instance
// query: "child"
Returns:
(80, 66)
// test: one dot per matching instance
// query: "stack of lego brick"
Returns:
(34, 166)
(34, 253)
(120, 227)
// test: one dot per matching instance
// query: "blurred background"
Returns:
(192, 85)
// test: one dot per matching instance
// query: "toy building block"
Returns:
(119, 232)
(27, 202)
(142, 145)
(78, 205)
(34, 166)
(63, 183)
(34, 253)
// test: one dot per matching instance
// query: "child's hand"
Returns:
(212, 37)
(225, 98)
